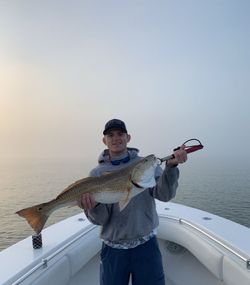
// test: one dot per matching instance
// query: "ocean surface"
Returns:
(219, 187)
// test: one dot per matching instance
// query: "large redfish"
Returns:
(119, 186)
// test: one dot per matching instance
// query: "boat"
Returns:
(197, 247)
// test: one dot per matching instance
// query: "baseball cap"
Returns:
(115, 124)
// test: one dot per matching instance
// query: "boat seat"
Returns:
(234, 273)
(205, 252)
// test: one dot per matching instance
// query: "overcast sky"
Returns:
(172, 70)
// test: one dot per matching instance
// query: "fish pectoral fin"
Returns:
(124, 202)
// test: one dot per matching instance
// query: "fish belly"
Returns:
(108, 197)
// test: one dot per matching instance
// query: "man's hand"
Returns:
(180, 156)
(87, 202)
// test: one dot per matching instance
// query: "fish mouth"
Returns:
(154, 159)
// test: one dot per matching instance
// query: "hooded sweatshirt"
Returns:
(139, 218)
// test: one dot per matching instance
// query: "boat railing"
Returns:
(245, 259)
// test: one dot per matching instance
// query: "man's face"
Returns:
(116, 141)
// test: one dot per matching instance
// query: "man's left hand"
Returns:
(180, 156)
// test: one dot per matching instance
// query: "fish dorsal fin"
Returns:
(75, 184)
(126, 199)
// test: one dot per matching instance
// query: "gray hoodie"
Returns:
(139, 218)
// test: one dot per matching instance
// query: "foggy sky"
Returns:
(172, 70)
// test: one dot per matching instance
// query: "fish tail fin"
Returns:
(36, 216)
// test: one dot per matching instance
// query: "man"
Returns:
(129, 236)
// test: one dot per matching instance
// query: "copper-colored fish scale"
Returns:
(112, 182)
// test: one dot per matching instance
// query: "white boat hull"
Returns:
(197, 248)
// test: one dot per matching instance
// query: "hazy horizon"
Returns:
(172, 70)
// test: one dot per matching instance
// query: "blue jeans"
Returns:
(143, 262)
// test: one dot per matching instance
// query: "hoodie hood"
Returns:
(104, 156)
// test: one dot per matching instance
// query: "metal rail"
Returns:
(44, 262)
(211, 237)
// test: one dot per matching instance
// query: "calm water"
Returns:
(219, 188)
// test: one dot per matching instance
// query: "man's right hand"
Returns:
(87, 202)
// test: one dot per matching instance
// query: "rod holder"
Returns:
(37, 241)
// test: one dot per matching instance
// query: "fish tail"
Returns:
(36, 216)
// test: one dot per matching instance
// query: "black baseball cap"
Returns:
(115, 124)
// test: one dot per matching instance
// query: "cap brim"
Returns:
(111, 129)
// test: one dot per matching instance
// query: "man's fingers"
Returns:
(87, 201)
(180, 155)
(92, 201)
